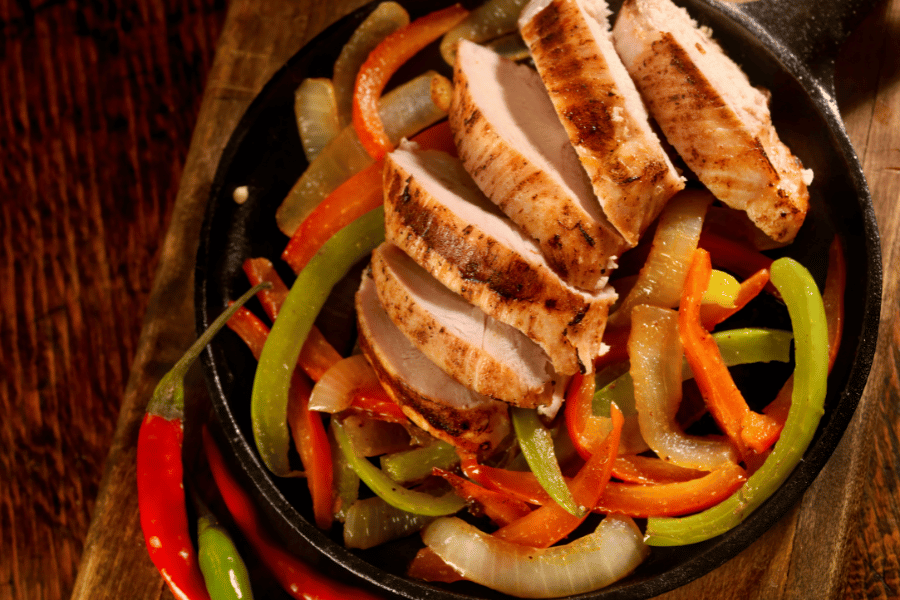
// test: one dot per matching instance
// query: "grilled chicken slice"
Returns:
(512, 143)
(601, 110)
(429, 397)
(437, 215)
(477, 350)
(716, 120)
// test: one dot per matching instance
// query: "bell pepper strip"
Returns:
(223, 569)
(536, 445)
(672, 499)
(499, 508)
(428, 566)
(713, 314)
(807, 312)
(317, 355)
(383, 62)
(550, 523)
(749, 431)
(522, 485)
(269, 398)
(345, 488)
(379, 405)
(583, 426)
(734, 255)
(418, 463)
(250, 329)
(635, 468)
(160, 472)
(617, 340)
(387, 489)
(358, 195)
(297, 578)
(833, 301)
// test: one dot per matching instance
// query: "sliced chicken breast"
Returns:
(512, 143)
(475, 349)
(429, 397)
(716, 120)
(601, 110)
(436, 214)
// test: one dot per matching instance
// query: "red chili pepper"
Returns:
(306, 426)
(749, 431)
(298, 579)
(160, 473)
(383, 62)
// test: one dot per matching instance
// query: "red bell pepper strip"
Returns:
(296, 577)
(306, 426)
(317, 355)
(671, 499)
(522, 485)
(383, 62)
(749, 431)
(160, 473)
(499, 508)
(579, 411)
(428, 566)
(713, 314)
(634, 468)
(352, 199)
(550, 523)
(617, 340)
(833, 300)
(733, 255)
(377, 403)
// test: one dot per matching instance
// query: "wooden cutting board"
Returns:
(803, 556)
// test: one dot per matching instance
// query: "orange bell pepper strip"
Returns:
(522, 485)
(579, 412)
(499, 508)
(749, 431)
(833, 299)
(306, 426)
(351, 200)
(550, 523)
(671, 499)
(634, 468)
(376, 402)
(713, 314)
(383, 62)
(317, 355)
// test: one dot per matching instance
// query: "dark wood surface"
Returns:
(113, 116)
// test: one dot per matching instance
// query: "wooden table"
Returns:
(113, 118)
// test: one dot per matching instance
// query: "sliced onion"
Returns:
(387, 18)
(490, 20)
(656, 355)
(589, 563)
(674, 242)
(405, 110)
(373, 521)
(316, 112)
(335, 389)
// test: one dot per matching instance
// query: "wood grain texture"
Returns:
(102, 191)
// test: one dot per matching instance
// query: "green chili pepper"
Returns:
(389, 490)
(417, 463)
(269, 399)
(807, 312)
(223, 569)
(536, 444)
(738, 347)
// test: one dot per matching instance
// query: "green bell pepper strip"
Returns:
(411, 465)
(738, 347)
(807, 312)
(536, 444)
(223, 569)
(389, 490)
(269, 399)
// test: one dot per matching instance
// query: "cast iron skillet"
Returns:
(786, 46)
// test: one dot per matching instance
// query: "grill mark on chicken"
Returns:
(601, 111)
(713, 117)
(515, 286)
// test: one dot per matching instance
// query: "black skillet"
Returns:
(787, 46)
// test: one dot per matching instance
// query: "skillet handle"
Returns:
(812, 29)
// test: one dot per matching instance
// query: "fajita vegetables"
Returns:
(565, 268)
